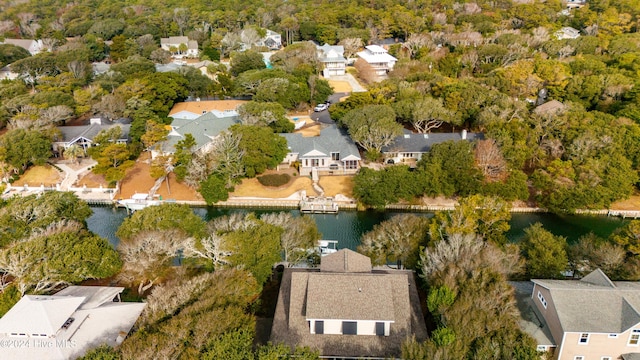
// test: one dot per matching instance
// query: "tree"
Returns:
(73, 153)
(629, 237)
(545, 253)
(154, 134)
(246, 60)
(490, 160)
(25, 147)
(214, 189)
(398, 238)
(163, 217)
(448, 168)
(424, 114)
(372, 127)
(262, 148)
(10, 53)
(21, 216)
(283, 91)
(263, 113)
(351, 46)
(64, 253)
(299, 235)
(182, 156)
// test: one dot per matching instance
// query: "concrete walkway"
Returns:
(71, 175)
(355, 85)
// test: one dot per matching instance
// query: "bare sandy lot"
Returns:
(340, 86)
(45, 175)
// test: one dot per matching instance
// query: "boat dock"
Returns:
(318, 205)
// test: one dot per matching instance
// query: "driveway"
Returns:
(323, 116)
(355, 85)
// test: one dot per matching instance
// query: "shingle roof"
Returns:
(329, 53)
(594, 304)
(346, 261)
(332, 296)
(331, 139)
(410, 142)
(73, 133)
(549, 108)
(203, 129)
(197, 107)
(378, 295)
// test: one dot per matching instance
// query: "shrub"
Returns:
(274, 179)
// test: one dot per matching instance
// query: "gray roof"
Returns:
(329, 53)
(549, 108)
(631, 356)
(167, 67)
(330, 140)
(595, 303)
(203, 129)
(71, 134)
(531, 320)
(95, 296)
(422, 143)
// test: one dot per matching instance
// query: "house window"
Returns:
(542, 300)
(605, 358)
(351, 164)
(578, 357)
(319, 324)
(584, 338)
(541, 348)
(335, 156)
(613, 336)
(635, 337)
(322, 162)
(380, 329)
(306, 162)
(349, 328)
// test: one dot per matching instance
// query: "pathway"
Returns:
(71, 174)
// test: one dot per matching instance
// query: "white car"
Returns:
(321, 107)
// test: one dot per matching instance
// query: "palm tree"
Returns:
(73, 153)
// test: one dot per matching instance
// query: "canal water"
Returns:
(348, 226)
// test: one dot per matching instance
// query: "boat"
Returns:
(327, 247)
(138, 202)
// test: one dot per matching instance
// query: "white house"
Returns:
(567, 32)
(332, 59)
(175, 42)
(66, 325)
(32, 46)
(347, 309)
(332, 152)
(409, 147)
(378, 58)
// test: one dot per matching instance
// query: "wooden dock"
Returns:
(318, 205)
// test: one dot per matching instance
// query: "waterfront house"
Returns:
(333, 152)
(83, 135)
(378, 58)
(172, 44)
(190, 110)
(67, 324)
(332, 59)
(590, 318)
(348, 310)
(409, 147)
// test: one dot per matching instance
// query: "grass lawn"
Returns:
(45, 175)
(340, 86)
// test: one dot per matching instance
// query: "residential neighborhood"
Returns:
(319, 180)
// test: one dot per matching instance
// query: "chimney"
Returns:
(464, 134)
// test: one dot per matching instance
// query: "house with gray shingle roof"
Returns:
(174, 42)
(332, 152)
(590, 318)
(409, 147)
(83, 135)
(347, 309)
(204, 129)
(332, 59)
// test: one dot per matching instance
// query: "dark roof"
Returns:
(422, 143)
(203, 129)
(331, 139)
(71, 134)
(376, 295)
(595, 303)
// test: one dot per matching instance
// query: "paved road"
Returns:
(323, 116)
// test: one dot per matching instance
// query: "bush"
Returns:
(274, 179)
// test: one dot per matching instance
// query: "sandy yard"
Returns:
(45, 175)
(632, 203)
(340, 86)
(138, 180)
(334, 185)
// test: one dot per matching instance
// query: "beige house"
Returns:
(590, 319)
(348, 310)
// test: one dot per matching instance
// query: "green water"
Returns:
(347, 226)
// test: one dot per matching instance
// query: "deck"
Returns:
(318, 205)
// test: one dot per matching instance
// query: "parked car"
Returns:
(321, 107)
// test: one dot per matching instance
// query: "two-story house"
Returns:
(172, 44)
(378, 58)
(346, 309)
(332, 59)
(593, 318)
(34, 47)
(332, 152)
